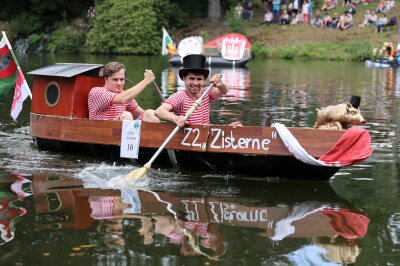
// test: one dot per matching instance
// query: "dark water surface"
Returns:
(76, 215)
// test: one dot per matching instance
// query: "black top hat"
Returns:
(355, 101)
(194, 63)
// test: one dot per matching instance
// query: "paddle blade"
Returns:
(139, 173)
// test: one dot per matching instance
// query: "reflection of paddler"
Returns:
(338, 249)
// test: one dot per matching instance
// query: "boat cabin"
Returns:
(63, 89)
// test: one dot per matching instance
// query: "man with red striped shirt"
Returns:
(193, 75)
(112, 102)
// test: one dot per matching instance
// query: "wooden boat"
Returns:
(379, 64)
(59, 121)
(230, 50)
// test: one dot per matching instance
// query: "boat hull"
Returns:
(204, 148)
(216, 61)
(379, 64)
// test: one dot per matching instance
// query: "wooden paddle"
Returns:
(141, 172)
(158, 91)
(171, 153)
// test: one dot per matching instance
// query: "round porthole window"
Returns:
(52, 94)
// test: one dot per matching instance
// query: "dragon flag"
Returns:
(11, 75)
(8, 69)
(168, 46)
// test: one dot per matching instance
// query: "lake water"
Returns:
(74, 215)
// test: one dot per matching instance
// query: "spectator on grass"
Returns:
(348, 20)
(318, 20)
(392, 4)
(334, 4)
(345, 21)
(310, 9)
(267, 18)
(275, 10)
(327, 21)
(373, 19)
(335, 20)
(326, 4)
(248, 11)
(295, 19)
(389, 6)
(284, 18)
(381, 23)
(352, 9)
(296, 6)
(381, 6)
(270, 5)
(304, 12)
(290, 9)
(365, 20)
(283, 5)
(239, 10)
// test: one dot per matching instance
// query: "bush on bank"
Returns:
(354, 51)
(132, 27)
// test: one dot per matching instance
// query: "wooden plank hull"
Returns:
(248, 150)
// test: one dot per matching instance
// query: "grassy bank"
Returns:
(297, 41)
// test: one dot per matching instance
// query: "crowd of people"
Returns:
(301, 12)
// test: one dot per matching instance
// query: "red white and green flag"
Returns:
(21, 93)
(168, 46)
(8, 68)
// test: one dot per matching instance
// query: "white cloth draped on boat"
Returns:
(353, 147)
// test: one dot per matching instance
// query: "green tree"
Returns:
(132, 27)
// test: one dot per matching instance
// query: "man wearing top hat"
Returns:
(193, 75)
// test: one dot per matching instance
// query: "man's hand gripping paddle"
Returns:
(141, 172)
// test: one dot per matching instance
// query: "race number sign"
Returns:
(233, 49)
(130, 139)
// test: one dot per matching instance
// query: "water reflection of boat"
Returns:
(59, 121)
(11, 191)
(205, 224)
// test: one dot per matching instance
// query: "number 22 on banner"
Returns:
(130, 139)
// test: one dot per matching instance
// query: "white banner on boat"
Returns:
(130, 139)
(233, 49)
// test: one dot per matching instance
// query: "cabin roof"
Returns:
(64, 69)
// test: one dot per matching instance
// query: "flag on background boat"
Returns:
(21, 93)
(21, 86)
(8, 68)
(168, 46)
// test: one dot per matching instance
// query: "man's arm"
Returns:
(220, 87)
(164, 112)
(127, 95)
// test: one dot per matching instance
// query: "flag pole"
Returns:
(15, 60)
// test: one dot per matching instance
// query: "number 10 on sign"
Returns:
(130, 139)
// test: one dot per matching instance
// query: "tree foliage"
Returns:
(30, 16)
(132, 27)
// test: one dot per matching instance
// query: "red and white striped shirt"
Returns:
(102, 108)
(181, 103)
